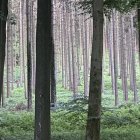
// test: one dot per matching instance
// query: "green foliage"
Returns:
(122, 123)
(120, 5)
(16, 124)
(128, 133)
(121, 133)
(16, 99)
(122, 116)
(79, 105)
(68, 121)
(78, 135)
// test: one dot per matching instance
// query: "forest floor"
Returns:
(68, 119)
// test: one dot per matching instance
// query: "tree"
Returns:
(22, 39)
(95, 90)
(44, 44)
(85, 58)
(29, 57)
(4, 11)
(138, 13)
(115, 58)
(53, 78)
(124, 60)
(8, 44)
(133, 66)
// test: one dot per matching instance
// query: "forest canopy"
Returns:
(120, 5)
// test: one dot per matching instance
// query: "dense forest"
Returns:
(69, 69)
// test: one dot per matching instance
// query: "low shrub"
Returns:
(121, 123)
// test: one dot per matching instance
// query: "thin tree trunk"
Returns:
(29, 57)
(53, 78)
(133, 66)
(115, 59)
(4, 10)
(138, 13)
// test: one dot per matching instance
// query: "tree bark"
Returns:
(43, 59)
(138, 13)
(4, 10)
(95, 90)
(29, 57)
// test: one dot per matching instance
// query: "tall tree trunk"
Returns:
(29, 57)
(8, 58)
(73, 56)
(85, 57)
(21, 41)
(138, 13)
(95, 90)
(124, 62)
(133, 66)
(33, 25)
(115, 58)
(44, 44)
(4, 10)
(62, 50)
(69, 49)
(53, 78)
(53, 73)
(22, 48)
(111, 55)
(12, 58)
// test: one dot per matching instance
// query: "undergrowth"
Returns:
(122, 123)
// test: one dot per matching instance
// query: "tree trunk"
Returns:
(29, 57)
(44, 44)
(95, 90)
(133, 66)
(53, 78)
(8, 58)
(138, 13)
(115, 51)
(4, 10)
